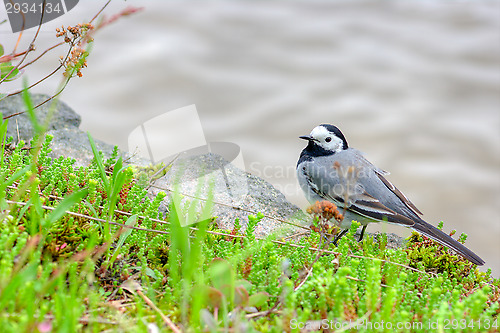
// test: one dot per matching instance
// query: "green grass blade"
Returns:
(130, 222)
(99, 162)
(64, 206)
(118, 179)
(31, 109)
(10, 181)
(3, 136)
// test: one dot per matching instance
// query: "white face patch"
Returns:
(326, 139)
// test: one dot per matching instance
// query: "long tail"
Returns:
(446, 240)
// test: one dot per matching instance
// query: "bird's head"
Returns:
(327, 137)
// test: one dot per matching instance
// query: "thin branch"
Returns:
(382, 285)
(43, 79)
(387, 261)
(297, 234)
(304, 247)
(22, 30)
(130, 214)
(214, 233)
(100, 11)
(359, 280)
(234, 207)
(85, 39)
(166, 232)
(31, 47)
(261, 313)
(90, 218)
(41, 103)
(82, 320)
(42, 54)
(154, 307)
(309, 271)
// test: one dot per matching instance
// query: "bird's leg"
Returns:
(326, 238)
(339, 236)
(362, 233)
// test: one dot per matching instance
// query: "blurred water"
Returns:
(415, 85)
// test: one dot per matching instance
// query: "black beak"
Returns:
(307, 137)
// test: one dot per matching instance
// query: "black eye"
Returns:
(328, 139)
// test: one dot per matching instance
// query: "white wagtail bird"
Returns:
(329, 170)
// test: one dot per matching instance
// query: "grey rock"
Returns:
(236, 194)
(73, 143)
(393, 241)
(20, 127)
(68, 140)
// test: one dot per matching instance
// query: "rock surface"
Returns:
(74, 143)
(20, 127)
(236, 194)
(68, 141)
